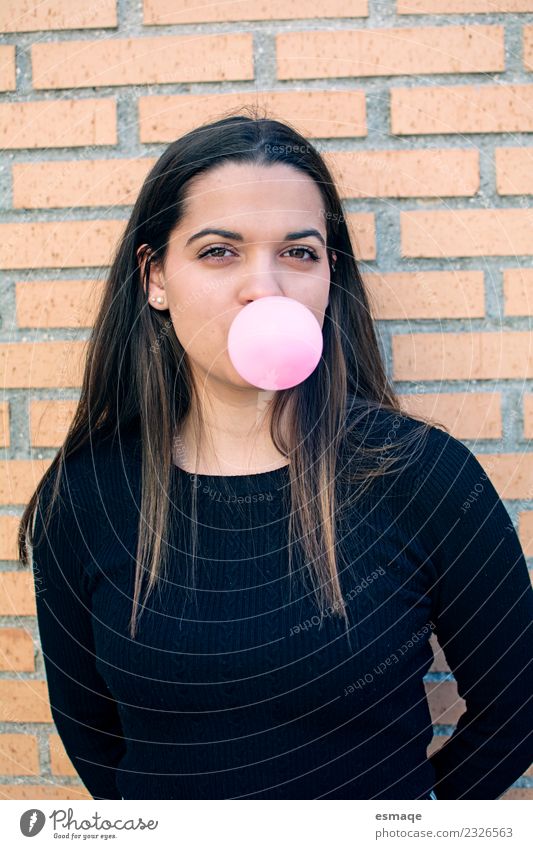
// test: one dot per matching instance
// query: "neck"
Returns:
(235, 438)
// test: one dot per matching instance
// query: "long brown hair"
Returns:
(136, 370)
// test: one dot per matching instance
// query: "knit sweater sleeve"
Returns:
(482, 602)
(84, 711)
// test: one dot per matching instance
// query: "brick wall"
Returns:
(424, 108)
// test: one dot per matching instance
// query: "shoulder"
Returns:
(97, 479)
(413, 457)
(394, 437)
(377, 423)
(440, 482)
(103, 461)
(96, 499)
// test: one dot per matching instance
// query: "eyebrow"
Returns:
(238, 237)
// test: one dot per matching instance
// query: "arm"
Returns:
(483, 609)
(82, 707)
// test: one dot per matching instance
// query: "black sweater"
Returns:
(233, 690)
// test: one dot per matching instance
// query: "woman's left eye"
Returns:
(210, 252)
(312, 255)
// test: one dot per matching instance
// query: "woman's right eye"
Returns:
(209, 252)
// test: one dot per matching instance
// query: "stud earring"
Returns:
(160, 299)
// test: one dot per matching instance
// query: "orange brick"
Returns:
(94, 182)
(91, 243)
(467, 415)
(384, 52)
(29, 365)
(140, 61)
(528, 48)
(30, 16)
(511, 474)
(518, 291)
(44, 791)
(59, 244)
(362, 230)
(439, 663)
(445, 704)
(514, 170)
(8, 80)
(426, 294)
(528, 416)
(115, 182)
(60, 762)
(518, 793)
(466, 232)
(17, 595)
(462, 109)
(58, 123)
(4, 424)
(49, 422)
(19, 754)
(315, 114)
(405, 173)
(443, 7)
(436, 743)
(24, 701)
(463, 356)
(20, 480)
(58, 303)
(16, 650)
(525, 531)
(189, 11)
(8, 537)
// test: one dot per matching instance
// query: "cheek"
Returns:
(316, 301)
(201, 329)
(196, 298)
(312, 290)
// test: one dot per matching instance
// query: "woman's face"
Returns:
(268, 213)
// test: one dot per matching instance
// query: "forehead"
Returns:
(251, 196)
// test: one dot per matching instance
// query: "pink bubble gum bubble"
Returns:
(275, 342)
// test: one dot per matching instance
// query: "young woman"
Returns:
(236, 588)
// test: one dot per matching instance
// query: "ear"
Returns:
(155, 278)
(142, 256)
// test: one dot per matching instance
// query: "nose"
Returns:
(260, 279)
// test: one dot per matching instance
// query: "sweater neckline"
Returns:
(258, 481)
(231, 477)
